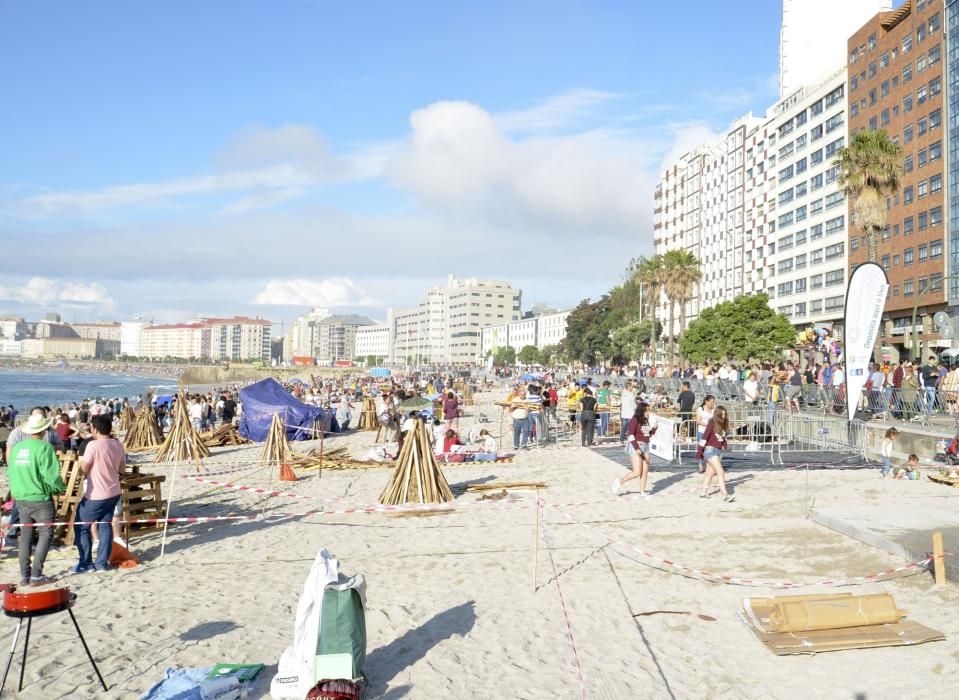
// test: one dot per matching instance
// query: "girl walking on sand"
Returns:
(638, 434)
(711, 448)
(886, 450)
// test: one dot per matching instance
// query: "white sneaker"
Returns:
(617, 484)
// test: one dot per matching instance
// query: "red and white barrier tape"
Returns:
(562, 601)
(742, 581)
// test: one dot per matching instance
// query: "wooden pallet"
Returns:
(65, 505)
(141, 497)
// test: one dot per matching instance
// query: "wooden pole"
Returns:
(938, 564)
(320, 465)
(169, 507)
(536, 541)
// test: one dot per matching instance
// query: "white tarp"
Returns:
(865, 299)
(294, 673)
(663, 442)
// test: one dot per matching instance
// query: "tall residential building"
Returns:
(952, 153)
(806, 256)
(813, 35)
(301, 339)
(336, 337)
(895, 64)
(239, 338)
(446, 327)
(179, 340)
(761, 209)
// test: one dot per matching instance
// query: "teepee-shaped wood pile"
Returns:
(145, 433)
(368, 419)
(417, 477)
(277, 448)
(127, 418)
(183, 442)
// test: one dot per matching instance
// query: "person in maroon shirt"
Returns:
(711, 447)
(451, 411)
(638, 433)
(65, 432)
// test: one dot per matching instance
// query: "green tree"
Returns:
(503, 357)
(870, 169)
(529, 355)
(745, 328)
(549, 355)
(649, 274)
(680, 275)
(629, 342)
(587, 331)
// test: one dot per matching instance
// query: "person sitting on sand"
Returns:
(451, 441)
(911, 471)
(489, 442)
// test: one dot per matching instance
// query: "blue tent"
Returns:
(263, 399)
(163, 400)
(380, 372)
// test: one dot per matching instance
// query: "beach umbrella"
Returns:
(415, 404)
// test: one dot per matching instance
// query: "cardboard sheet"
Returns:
(756, 616)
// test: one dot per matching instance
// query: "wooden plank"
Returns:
(938, 564)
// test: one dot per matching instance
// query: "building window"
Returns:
(934, 55)
(921, 95)
(907, 43)
(815, 282)
(923, 157)
(935, 119)
(801, 261)
(935, 151)
(907, 104)
(834, 199)
(835, 303)
(935, 250)
(923, 254)
(907, 134)
(885, 262)
(922, 189)
(800, 213)
(907, 288)
(815, 232)
(907, 226)
(854, 244)
(835, 225)
(815, 157)
(815, 182)
(834, 251)
(907, 256)
(800, 237)
(935, 216)
(923, 220)
(815, 207)
(815, 307)
(833, 148)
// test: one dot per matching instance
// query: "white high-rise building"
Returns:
(813, 37)
(539, 331)
(806, 257)
(130, 337)
(301, 339)
(446, 327)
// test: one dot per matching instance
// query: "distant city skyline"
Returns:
(237, 158)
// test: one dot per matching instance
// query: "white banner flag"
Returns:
(663, 443)
(865, 299)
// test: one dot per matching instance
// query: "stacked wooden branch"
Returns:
(337, 458)
(183, 442)
(145, 433)
(467, 393)
(65, 504)
(141, 498)
(226, 435)
(417, 477)
(368, 419)
(127, 418)
(277, 448)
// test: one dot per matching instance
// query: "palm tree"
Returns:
(682, 274)
(869, 170)
(649, 273)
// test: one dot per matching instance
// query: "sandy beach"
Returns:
(451, 608)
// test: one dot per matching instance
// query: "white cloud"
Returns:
(556, 111)
(686, 137)
(43, 291)
(459, 161)
(329, 293)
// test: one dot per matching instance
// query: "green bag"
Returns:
(343, 626)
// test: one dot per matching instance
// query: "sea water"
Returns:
(25, 389)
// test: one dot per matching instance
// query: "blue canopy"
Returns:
(380, 372)
(531, 375)
(163, 400)
(267, 397)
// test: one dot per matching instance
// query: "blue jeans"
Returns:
(603, 424)
(929, 393)
(886, 466)
(520, 432)
(100, 512)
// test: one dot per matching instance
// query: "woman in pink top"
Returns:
(102, 462)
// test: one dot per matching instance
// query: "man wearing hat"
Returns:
(34, 475)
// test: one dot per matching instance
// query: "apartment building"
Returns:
(130, 337)
(301, 339)
(336, 337)
(539, 331)
(373, 341)
(806, 255)
(180, 340)
(104, 330)
(446, 327)
(239, 338)
(896, 83)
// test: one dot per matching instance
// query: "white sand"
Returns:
(451, 610)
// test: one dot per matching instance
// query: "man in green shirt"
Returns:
(602, 398)
(34, 474)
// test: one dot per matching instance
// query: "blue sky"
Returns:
(181, 158)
